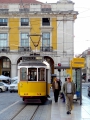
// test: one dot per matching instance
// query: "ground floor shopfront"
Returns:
(9, 62)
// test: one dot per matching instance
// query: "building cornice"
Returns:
(24, 28)
(45, 28)
(38, 14)
(4, 29)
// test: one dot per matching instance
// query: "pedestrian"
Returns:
(69, 90)
(63, 93)
(56, 88)
(60, 82)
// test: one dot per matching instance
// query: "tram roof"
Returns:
(32, 63)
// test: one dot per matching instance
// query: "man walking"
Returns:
(69, 91)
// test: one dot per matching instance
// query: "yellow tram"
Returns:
(34, 78)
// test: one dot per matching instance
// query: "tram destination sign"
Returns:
(29, 58)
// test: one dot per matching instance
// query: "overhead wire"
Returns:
(58, 24)
(35, 20)
(57, 27)
(25, 11)
(84, 11)
(76, 7)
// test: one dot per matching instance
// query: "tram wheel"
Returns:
(23, 99)
(43, 100)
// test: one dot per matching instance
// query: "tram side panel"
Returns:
(32, 88)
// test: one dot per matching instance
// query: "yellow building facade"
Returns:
(35, 27)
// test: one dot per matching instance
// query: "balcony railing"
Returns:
(24, 49)
(24, 10)
(4, 49)
(46, 49)
(46, 9)
(4, 10)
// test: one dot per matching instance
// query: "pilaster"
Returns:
(14, 70)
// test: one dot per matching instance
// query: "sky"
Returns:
(81, 25)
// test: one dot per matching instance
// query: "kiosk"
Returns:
(76, 64)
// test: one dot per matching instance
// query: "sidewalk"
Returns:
(79, 112)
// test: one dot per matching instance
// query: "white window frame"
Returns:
(4, 21)
(24, 19)
(4, 39)
(27, 37)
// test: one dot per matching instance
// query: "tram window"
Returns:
(23, 73)
(41, 74)
(32, 74)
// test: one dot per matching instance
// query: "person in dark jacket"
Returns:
(56, 88)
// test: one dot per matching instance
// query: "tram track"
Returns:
(41, 113)
(29, 111)
(33, 112)
(18, 112)
(26, 113)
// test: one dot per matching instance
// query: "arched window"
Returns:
(6, 63)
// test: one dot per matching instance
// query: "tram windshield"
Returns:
(23, 73)
(32, 74)
(35, 74)
(41, 74)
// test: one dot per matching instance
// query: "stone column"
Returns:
(14, 71)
